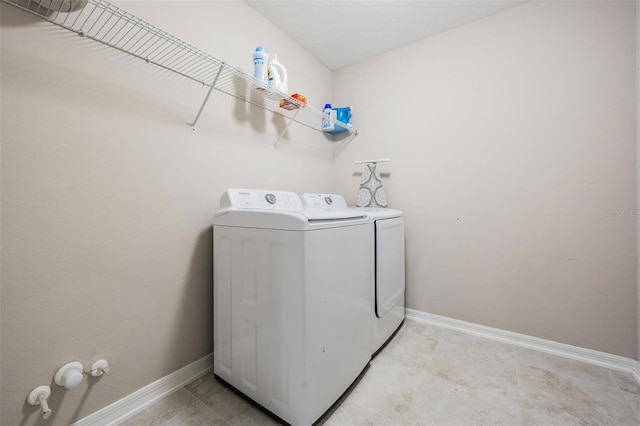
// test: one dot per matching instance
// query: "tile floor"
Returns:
(434, 376)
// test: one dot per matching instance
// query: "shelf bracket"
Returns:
(354, 133)
(206, 99)
(291, 120)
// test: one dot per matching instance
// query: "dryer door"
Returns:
(389, 285)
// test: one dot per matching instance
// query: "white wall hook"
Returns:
(69, 375)
(39, 396)
(99, 368)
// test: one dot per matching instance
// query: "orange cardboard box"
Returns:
(291, 105)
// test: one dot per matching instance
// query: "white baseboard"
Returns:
(140, 399)
(590, 356)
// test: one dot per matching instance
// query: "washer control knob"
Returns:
(271, 199)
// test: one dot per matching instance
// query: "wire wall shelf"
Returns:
(110, 25)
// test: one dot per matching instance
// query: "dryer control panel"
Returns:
(262, 199)
(323, 201)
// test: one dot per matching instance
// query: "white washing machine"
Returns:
(386, 247)
(292, 295)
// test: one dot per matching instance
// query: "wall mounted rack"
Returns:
(110, 25)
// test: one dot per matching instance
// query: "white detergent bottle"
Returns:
(328, 119)
(278, 79)
(260, 64)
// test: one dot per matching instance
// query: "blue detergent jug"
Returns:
(343, 120)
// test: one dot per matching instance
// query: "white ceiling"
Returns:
(343, 32)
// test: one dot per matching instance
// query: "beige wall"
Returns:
(512, 145)
(108, 198)
(638, 176)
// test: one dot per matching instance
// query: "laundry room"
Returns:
(506, 134)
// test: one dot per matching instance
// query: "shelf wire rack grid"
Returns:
(110, 25)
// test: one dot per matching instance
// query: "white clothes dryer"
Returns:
(292, 295)
(386, 247)
(389, 276)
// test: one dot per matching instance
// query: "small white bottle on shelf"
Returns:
(328, 118)
(260, 65)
